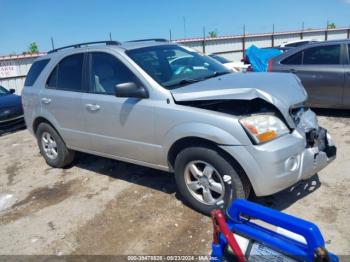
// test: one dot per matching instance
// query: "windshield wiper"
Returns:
(183, 82)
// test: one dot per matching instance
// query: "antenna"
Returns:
(52, 43)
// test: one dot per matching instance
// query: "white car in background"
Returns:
(234, 66)
(293, 44)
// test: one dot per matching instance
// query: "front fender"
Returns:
(197, 130)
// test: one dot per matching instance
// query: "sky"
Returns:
(74, 21)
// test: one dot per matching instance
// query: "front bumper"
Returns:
(281, 163)
(17, 121)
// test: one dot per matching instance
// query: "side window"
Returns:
(67, 75)
(106, 72)
(52, 81)
(295, 59)
(34, 71)
(322, 55)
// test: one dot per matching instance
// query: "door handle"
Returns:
(93, 107)
(46, 100)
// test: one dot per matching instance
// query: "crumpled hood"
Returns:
(280, 89)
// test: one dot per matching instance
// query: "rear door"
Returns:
(346, 97)
(322, 74)
(321, 71)
(61, 100)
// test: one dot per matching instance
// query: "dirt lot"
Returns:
(101, 206)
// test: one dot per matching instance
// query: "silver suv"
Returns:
(168, 107)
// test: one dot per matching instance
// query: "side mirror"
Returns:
(12, 91)
(130, 89)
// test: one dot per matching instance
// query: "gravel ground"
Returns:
(105, 207)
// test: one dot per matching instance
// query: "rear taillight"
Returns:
(269, 69)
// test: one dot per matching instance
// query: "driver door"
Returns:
(119, 127)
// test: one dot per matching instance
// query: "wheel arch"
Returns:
(40, 120)
(186, 142)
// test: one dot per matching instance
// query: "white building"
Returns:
(14, 68)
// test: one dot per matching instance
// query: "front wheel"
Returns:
(207, 180)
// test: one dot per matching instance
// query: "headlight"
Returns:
(263, 128)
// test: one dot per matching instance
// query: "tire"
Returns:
(57, 157)
(223, 172)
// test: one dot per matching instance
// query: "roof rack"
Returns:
(110, 42)
(149, 40)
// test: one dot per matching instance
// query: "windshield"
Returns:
(173, 66)
(3, 91)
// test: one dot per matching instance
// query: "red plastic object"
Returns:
(220, 226)
(270, 66)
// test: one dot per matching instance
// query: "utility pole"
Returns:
(203, 39)
(302, 30)
(273, 36)
(170, 37)
(184, 21)
(110, 36)
(243, 41)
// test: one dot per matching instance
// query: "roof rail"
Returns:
(110, 42)
(149, 40)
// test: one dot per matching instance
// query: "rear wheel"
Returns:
(52, 147)
(207, 180)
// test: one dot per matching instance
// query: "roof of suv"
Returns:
(303, 47)
(321, 43)
(103, 45)
(114, 44)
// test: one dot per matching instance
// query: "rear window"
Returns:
(35, 70)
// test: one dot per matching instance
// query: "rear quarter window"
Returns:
(34, 71)
(295, 59)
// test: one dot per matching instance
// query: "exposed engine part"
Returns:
(304, 118)
(318, 137)
(236, 107)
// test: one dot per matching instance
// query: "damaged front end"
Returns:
(287, 145)
(315, 136)
(299, 154)
(320, 149)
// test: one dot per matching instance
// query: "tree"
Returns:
(33, 48)
(331, 25)
(213, 34)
